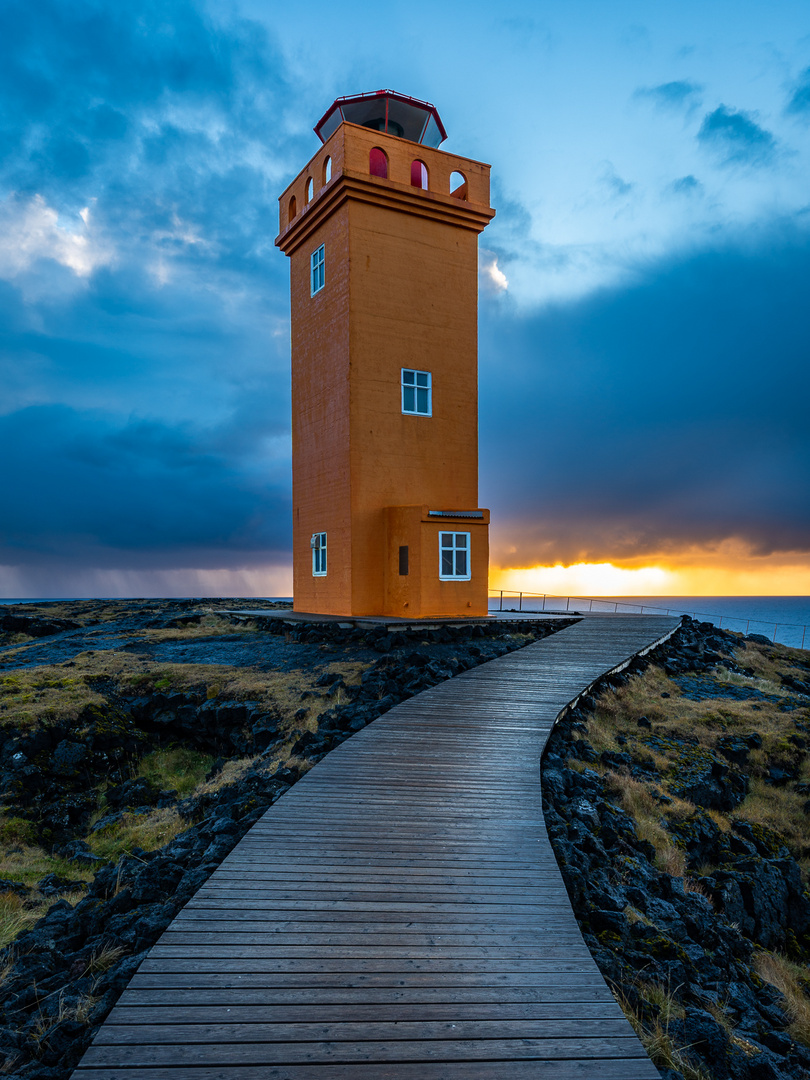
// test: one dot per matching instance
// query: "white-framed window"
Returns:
(318, 543)
(417, 392)
(454, 556)
(317, 277)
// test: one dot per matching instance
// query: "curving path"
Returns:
(399, 913)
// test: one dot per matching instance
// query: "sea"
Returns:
(785, 619)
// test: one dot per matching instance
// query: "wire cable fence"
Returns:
(792, 634)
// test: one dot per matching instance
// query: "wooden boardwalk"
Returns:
(399, 914)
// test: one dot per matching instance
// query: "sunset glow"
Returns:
(751, 577)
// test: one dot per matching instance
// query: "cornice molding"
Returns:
(387, 194)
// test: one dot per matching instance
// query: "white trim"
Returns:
(317, 270)
(421, 384)
(455, 548)
(318, 545)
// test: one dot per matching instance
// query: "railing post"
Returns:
(520, 602)
(501, 607)
(544, 602)
(567, 602)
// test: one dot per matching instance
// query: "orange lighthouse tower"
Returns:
(381, 228)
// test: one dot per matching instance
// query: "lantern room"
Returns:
(388, 112)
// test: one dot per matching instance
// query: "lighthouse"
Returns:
(381, 228)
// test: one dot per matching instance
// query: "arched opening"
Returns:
(310, 189)
(419, 175)
(378, 163)
(458, 185)
(327, 170)
(293, 208)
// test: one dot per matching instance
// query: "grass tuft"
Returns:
(788, 978)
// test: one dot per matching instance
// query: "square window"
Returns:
(417, 392)
(454, 556)
(317, 265)
(318, 544)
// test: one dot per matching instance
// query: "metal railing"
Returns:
(721, 621)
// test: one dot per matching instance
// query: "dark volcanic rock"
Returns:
(640, 923)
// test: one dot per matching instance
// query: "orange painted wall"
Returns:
(401, 291)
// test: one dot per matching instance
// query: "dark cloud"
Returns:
(799, 104)
(680, 95)
(89, 488)
(652, 418)
(736, 137)
(145, 384)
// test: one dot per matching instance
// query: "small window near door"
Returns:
(403, 561)
(318, 543)
(454, 556)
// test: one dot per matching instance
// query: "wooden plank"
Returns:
(394, 1050)
(234, 1034)
(396, 1012)
(569, 1069)
(399, 913)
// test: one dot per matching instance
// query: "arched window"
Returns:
(327, 170)
(293, 208)
(458, 185)
(378, 163)
(419, 175)
(310, 189)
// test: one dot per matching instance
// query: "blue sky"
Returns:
(644, 330)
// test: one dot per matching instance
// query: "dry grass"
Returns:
(676, 721)
(147, 831)
(233, 771)
(640, 800)
(770, 663)
(176, 769)
(18, 915)
(209, 626)
(14, 917)
(655, 1036)
(782, 810)
(29, 863)
(58, 693)
(33, 695)
(788, 978)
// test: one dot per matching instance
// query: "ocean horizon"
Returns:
(784, 619)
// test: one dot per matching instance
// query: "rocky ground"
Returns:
(139, 740)
(677, 803)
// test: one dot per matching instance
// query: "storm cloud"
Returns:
(143, 315)
(666, 414)
(144, 311)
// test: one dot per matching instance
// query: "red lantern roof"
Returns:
(385, 110)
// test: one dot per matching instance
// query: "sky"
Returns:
(644, 346)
